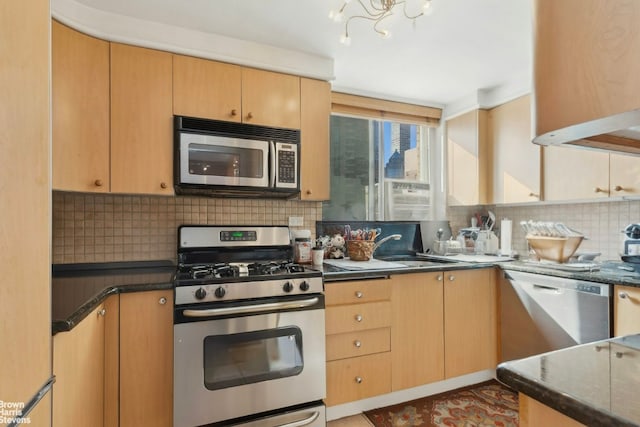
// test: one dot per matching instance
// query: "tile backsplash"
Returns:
(99, 228)
(601, 222)
(102, 228)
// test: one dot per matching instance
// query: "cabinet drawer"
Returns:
(358, 378)
(351, 344)
(358, 291)
(357, 317)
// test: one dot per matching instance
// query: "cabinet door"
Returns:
(583, 53)
(470, 321)
(141, 121)
(207, 89)
(516, 160)
(78, 364)
(112, 361)
(270, 99)
(535, 414)
(624, 175)
(417, 341)
(574, 173)
(80, 100)
(315, 111)
(626, 309)
(146, 358)
(468, 159)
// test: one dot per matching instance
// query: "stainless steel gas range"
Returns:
(248, 330)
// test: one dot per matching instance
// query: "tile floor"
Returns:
(353, 421)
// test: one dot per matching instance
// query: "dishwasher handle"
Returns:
(549, 289)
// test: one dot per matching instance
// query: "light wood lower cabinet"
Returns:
(417, 355)
(78, 364)
(535, 414)
(470, 321)
(358, 321)
(626, 309)
(146, 358)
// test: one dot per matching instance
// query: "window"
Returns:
(380, 170)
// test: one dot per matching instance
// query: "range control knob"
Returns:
(287, 287)
(220, 292)
(200, 293)
(304, 286)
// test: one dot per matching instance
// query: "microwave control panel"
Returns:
(287, 165)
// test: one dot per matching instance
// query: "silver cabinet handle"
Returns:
(256, 308)
(359, 380)
(357, 343)
(439, 278)
(359, 294)
(102, 312)
(623, 295)
(358, 318)
(162, 301)
(310, 419)
(452, 278)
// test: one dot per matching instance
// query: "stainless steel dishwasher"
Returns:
(540, 313)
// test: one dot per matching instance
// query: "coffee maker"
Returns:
(631, 244)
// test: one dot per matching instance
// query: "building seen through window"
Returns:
(379, 170)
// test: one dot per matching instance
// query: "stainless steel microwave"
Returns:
(218, 158)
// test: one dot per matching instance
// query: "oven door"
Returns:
(255, 358)
(218, 160)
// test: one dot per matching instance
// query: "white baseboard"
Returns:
(353, 408)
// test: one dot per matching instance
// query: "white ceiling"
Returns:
(463, 47)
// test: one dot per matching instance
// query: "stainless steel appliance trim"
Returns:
(256, 308)
(304, 422)
(314, 416)
(206, 236)
(542, 280)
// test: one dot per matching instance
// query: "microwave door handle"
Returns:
(272, 166)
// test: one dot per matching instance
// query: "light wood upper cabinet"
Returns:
(80, 100)
(141, 120)
(470, 321)
(78, 364)
(270, 99)
(207, 89)
(468, 159)
(574, 173)
(146, 358)
(417, 338)
(585, 61)
(626, 310)
(516, 160)
(315, 112)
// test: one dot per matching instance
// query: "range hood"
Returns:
(619, 133)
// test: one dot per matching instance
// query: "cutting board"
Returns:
(372, 264)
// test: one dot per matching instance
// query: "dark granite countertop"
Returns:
(77, 289)
(595, 384)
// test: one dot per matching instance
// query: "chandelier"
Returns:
(377, 11)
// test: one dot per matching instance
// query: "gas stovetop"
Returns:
(230, 263)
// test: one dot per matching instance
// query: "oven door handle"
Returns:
(311, 418)
(256, 308)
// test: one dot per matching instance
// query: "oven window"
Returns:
(220, 160)
(251, 357)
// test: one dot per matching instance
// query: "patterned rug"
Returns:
(481, 405)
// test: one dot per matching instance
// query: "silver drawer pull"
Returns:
(452, 278)
(304, 422)
(359, 380)
(162, 301)
(102, 312)
(359, 294)
(623, 295)
(357, 343)
(358, 318)
(439, 278)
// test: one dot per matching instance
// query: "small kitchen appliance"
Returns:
(218, 158)
(631, 244)
(248, 330)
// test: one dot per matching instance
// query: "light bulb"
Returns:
(385, 34)
(345, 40)
(426, 7)
(337, 17)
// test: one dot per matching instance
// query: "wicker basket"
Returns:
(360, 250)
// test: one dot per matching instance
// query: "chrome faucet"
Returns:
(393, 236)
